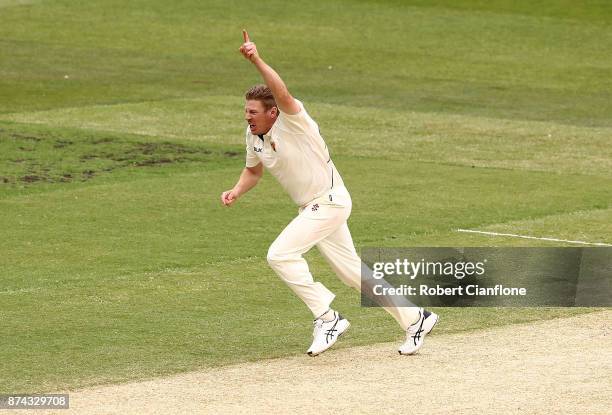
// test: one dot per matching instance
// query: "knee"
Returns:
(276, 257)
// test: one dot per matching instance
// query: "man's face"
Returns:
(260, 121)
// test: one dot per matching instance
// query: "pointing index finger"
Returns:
(245, 35)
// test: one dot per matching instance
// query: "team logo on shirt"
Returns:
(315, 207)
(257, 150)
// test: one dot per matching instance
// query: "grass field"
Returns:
(121, 124)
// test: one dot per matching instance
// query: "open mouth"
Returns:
(252, 127)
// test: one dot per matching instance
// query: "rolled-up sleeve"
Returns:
(299, 123)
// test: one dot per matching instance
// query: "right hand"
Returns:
(248, 48)
(229, 197)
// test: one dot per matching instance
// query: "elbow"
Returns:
(256, 171)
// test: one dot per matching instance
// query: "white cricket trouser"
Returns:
(323, 223)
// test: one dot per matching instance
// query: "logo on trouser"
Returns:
(315, 207)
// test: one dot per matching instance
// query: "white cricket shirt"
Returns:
(294, 152)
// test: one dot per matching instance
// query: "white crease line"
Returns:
(533, 237)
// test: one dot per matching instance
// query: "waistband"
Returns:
(325, 194)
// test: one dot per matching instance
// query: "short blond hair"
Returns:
(263, 94)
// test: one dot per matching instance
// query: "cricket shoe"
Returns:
(326, 333)
(415, 334)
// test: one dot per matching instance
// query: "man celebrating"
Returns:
(283, 138)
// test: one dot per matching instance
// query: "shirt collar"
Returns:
(268, 134)
(272, 130)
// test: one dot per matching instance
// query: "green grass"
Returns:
(121, 124)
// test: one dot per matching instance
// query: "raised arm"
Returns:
(285, 102)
